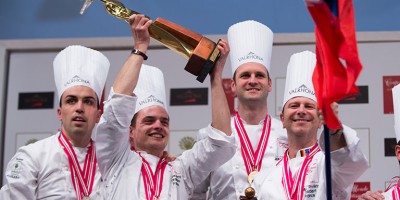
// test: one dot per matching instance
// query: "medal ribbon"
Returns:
(396, 193)
(81, 179)
(396, 190)
(153, 181)
(252, 160)
(294, 189)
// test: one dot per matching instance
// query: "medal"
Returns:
(251, 177)
(153, 181)
(82, 179)
(249, 192)
(252, 159)
(294, 186)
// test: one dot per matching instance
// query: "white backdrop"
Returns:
(30, 70)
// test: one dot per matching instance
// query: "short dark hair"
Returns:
(133, 121)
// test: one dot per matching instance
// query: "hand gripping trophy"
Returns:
(201, 52)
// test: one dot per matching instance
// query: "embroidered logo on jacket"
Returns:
(176, 177)
(16, 169)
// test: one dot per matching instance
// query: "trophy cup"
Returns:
(201, 52)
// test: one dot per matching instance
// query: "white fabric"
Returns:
(121, 167)
(41, 171)
(299, 76)
(250, 41)
(78, 65)
(230, 180)
(396, 108)
(150, 89)
(388, 194)
(347, 163)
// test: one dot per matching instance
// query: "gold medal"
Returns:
(251, 176)
(249, 192)
(86, 198)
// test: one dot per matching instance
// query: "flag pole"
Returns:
(334, 7)
(328, 172)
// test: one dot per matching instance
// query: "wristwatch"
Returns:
(137, 52)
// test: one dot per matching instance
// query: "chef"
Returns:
(146, 173)
(63, 166)
(300, 174)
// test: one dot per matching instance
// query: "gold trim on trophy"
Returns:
(201, 52)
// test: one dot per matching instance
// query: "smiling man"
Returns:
(53, 168)
(300, 174)
(146, 172)
(260, 138)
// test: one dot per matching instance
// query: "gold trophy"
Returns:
(201, 52)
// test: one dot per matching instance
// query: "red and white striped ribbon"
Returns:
(252, 160)
(153, 181)
(294, 188)
(81, 179)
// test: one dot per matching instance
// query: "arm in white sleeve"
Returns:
(22, 177)
(206, 156)
(348, 163)
(112, 133)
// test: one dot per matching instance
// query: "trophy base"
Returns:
(203, 59)
(246, 198)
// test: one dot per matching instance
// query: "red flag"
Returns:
(338, 65)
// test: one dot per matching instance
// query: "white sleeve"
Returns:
(21, 177)
(206, 155)
(112, 132)
(348, 163)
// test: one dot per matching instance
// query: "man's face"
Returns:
(252, 82)
(79, 111)
(300, 117)
(151, 130)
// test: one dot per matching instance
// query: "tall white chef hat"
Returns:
(299, 76)
(79, 65)
(250, 41)
(396, 107)
(150, 88)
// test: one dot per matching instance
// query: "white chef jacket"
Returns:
(41, 171)
(347, 165)
(121, 167)
(388, 194)
(230, 180)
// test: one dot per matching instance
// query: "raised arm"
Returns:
(113, 128)
(127, 78)
(218, 147)
(220, 110)
(348, 162)
(337, 139)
